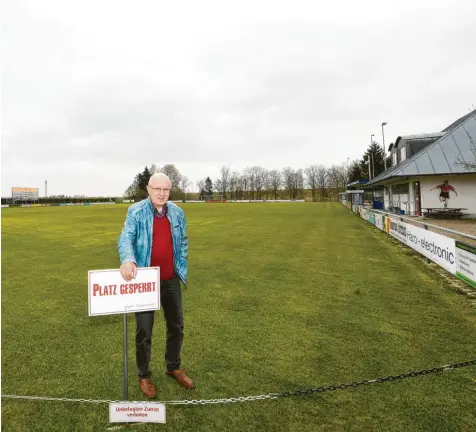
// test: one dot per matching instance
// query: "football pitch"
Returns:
(281, 297)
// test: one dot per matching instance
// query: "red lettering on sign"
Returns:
(95, 289)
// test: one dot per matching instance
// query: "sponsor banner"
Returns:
(5, 205)
(398, 229)
(379, 222)
(438, 248)
(371, 217)
(466, 263)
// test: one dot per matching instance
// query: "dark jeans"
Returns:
(171, 303)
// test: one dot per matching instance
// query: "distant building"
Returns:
(426, 170)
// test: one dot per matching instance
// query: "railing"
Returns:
(425, 225)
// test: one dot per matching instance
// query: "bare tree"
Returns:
(289, 178)
(244, 183)
(259, 174)
(219, 187)
(343, 176)
(322, 181)
(201, 187)
(333, 177)
(299, 182)
(274, 181)
(184, 184)
(250, 174)
(234, 184)
(311, 174)
(468, 165)
(225, 178)
(174, 174)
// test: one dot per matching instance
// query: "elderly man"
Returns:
(154, 234)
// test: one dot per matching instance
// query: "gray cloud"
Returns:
(90, 95)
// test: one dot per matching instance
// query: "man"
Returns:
(445, 189)
(154, 234)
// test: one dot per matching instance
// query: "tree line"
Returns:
(317, 181)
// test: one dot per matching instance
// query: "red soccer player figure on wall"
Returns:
(445, 189)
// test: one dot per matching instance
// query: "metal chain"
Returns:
(265, 396)
(377, 380)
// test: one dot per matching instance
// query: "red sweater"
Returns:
(162, 248)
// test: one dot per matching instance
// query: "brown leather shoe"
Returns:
(181, 378)
(148, 388)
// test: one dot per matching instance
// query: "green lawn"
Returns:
(280, 297)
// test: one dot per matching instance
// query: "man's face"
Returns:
(159, 191)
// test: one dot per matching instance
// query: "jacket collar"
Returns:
(153, 209)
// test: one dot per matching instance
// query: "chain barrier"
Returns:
(265, 396)
(378, 380)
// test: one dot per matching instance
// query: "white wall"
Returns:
(464, 184)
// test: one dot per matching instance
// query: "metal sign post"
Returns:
(125, 359)
(109, 294)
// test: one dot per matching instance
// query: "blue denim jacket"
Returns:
(135, 241)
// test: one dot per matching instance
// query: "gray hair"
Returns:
(160, 176)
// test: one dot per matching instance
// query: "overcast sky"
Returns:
(95, 90)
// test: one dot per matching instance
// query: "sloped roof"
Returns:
(459, 121)
(440, 156)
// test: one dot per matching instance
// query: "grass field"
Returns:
(280, 297)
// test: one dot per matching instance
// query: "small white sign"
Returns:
(135, 412)
(109, 293)
(466, 263)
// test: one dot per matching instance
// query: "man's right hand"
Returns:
(128, 270)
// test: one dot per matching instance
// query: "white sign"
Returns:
(466, 263)
(132, 412)
(109, 293)
(440, 249)
(398, 230)
(379, 221)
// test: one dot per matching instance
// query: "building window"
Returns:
(401, 188)
(403, 154)
(394, 158)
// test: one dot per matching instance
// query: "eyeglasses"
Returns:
(164, 190)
